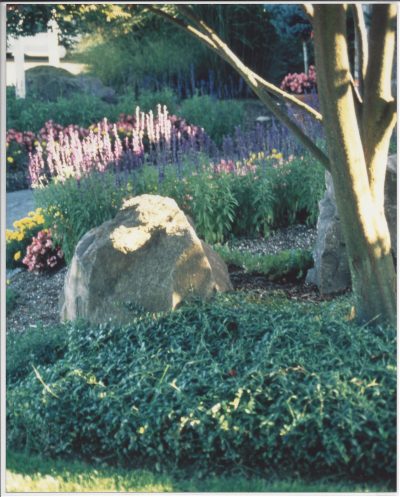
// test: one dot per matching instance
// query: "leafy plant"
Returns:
(148, 100)
(298, 187)
(42, 254)
(236, 382)
(246, 198)
(79, 109)
(287, 265)
(217, 117)
(40, 346)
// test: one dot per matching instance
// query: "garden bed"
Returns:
(37, 295)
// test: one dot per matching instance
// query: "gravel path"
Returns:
(293, 237)
(18, 205)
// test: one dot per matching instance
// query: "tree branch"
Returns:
(309, 10)
(184, 10)
(362, 43)
(186, 27)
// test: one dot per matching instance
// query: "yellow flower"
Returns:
(17, 256)
(10, 160)
(8, 282)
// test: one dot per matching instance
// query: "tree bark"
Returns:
(363, 222)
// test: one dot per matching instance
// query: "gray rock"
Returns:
(331, 271)
(148, 257)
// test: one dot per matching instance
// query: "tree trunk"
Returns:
(358, 170)
(364, 225)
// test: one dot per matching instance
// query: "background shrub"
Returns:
(217, 117)
(148, 100)
(78, 109)
(234, 382)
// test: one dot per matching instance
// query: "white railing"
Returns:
(42, 45)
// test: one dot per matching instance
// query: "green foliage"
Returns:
(235, 382)
(217, 117)
(221, 205)
(73, 207)
(40, 346)
(80, 109)
(129, 60)
(30, 473)
(11, 299)
(287, 265)
(298, 187)
(148, 100)
(212, 205)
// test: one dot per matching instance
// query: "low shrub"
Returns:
(79, 109)
(288, 265)
(235, 382)
(42, 254)
(17, 240)
(217, 117)
(39, 346)
(148, 100)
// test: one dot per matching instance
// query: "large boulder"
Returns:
(49, 83)
(331, 271)
(148, 257)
